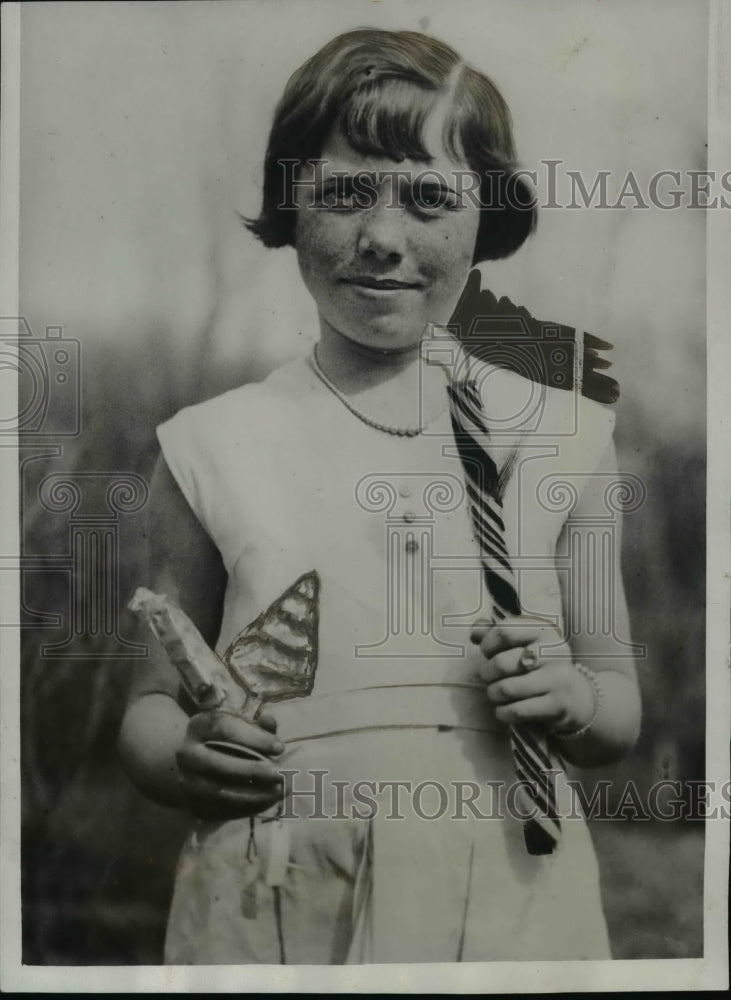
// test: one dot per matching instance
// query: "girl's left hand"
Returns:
(550, 692)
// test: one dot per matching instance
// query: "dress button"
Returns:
(411, 545)
(404, 491)
(409, 517)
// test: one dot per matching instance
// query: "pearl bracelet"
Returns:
(598, 702)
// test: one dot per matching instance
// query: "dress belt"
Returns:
(432, 705)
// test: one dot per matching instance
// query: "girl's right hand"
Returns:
(219, 785)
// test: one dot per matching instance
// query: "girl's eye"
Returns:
(338, 200)
(432, 198)
(340, 197)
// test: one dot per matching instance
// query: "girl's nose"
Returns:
(381, 235)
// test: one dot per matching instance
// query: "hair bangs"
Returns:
(386, 116)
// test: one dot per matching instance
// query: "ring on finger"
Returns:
(529, 658)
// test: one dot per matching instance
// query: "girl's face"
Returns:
(384, 248)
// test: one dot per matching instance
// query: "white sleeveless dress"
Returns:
(286, 480)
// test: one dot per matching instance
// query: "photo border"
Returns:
(710, 972)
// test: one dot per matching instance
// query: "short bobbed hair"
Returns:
(378, 88)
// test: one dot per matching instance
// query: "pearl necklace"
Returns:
(377, 425)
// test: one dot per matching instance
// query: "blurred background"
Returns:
(143, 129)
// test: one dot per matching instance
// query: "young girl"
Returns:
(456, 661)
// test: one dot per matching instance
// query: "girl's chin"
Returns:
(385, 341)
(385, 335)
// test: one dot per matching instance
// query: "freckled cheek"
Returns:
(448, 264)
(320, 250)
(312, 253)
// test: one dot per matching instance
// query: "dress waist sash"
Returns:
(458, 705)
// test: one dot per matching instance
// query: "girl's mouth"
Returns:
(381, 284)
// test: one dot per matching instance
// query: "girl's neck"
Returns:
(356, 368)
(392, 387)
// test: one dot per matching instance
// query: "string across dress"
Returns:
(532, 759)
